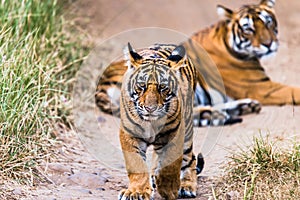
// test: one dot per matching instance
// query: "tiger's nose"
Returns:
(151, 108)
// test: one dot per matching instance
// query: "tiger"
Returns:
(236, 44)
(156, 108)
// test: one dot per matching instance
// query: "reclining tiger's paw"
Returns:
(208, 116)
(243, 107)
(127, 194)
(187, 191)
(218, 118)
(255, 106)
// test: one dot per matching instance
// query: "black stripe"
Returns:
(189, 150)
(101, 91)
(141, 152)
(130, 119)
(135, 135)
(159, 146)
(102, 101)
(159, 69)
(164, 54)
(236, 55)
(169, 131)
(129, 130)
(258, 80)
(174, 118)
(188, 137)
(189, 164)
(185, 72)
(108, 82)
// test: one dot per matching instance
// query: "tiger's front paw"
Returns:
(127, 194)
(187, 191)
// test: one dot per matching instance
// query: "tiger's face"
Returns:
(154, 91)
(252, 30)
(152, 85)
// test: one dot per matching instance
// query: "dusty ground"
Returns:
(80, 175)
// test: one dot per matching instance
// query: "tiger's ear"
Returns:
(268, 3)
(177, 54)
(223, 12)
(131, 56)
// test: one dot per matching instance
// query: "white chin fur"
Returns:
(151, 118)
(268, 56)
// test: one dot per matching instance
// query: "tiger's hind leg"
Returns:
(240, 107)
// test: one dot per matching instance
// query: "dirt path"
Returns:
(79, 175)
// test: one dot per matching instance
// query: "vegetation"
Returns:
(38, 60)
(264, 171)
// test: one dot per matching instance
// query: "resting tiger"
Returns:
(235, 44)
(156, 108)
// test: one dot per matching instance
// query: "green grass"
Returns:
(263, 171)
(38, 60)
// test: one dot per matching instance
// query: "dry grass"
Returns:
(263, 171)
(38, 60)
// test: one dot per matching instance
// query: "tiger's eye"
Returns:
(163, 87)
(247, 29)
(141, 85)
(269, 20)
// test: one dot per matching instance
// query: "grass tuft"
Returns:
(38, 59)
(263, 171)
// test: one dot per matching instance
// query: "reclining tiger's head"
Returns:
(251, 30)
(151, 84)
